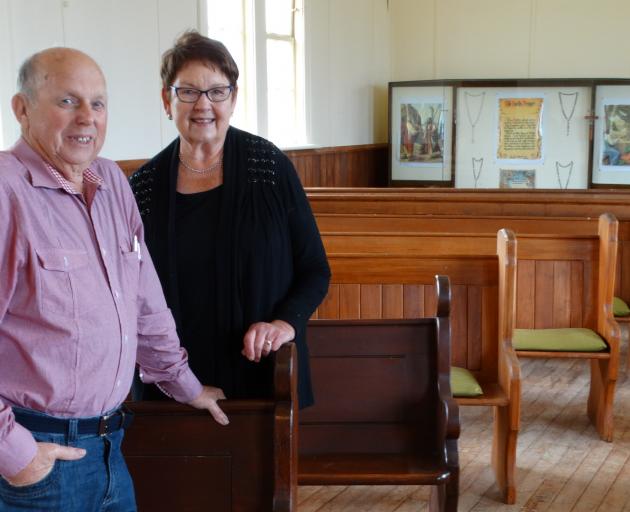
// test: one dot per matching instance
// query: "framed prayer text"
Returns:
(420, 134)
(510, 133)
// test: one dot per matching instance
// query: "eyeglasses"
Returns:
(190, 95)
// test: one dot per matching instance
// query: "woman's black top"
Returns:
(196, 222)
(269, 258)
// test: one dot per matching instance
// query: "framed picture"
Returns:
(420, 134)
(517, 178)
(530, 133)
(611, 138)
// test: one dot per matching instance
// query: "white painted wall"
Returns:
(125, 37)
(508, 39)
(354, 48)
(347, 54)
(347, 44)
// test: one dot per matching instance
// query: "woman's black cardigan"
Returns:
(271, 262)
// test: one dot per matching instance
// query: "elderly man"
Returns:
(79, 300)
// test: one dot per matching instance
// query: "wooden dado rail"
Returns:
(571, 210)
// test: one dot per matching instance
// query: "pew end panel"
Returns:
(384, 412)
(248, 465)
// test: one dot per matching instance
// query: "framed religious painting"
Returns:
(611, 134)
(519, 134)
(421, 133)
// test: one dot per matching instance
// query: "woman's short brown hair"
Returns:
(192, 46)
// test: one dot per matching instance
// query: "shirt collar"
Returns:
(45, 175)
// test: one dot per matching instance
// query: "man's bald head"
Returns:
(62, 108)
(35, 71)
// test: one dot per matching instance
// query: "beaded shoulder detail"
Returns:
(141, 183)
(263, 158)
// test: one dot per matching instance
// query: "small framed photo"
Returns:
(420, 134)
(517, 178)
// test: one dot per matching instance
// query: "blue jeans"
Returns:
(99, 482)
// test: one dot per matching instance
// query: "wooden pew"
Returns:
(380, 275)
(384, 412)
(558, 278)
(604, 365)
(249, 465)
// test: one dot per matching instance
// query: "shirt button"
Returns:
(104, 251)
(117, 383)
(116, 294)
(125, 338)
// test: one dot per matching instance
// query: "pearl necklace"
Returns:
(212, 167)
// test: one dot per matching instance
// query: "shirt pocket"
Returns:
(58, 295)
(130, 272)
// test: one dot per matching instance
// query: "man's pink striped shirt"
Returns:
(79, 299)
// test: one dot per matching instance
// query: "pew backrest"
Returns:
(246, 466)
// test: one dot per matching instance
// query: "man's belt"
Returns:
(103, 425)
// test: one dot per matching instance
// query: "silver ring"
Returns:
(268, 343)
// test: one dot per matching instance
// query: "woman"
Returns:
(229, 229)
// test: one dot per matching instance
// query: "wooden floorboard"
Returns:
(562, 465)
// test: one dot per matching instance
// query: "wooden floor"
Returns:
(562, 464)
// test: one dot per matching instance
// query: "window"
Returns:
(266, 39)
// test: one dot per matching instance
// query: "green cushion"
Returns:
(560, 340)
(463, 383)
(620, 308)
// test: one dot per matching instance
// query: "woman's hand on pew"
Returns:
(262, 338)
(208, 400)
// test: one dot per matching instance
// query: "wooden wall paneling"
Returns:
(459, 321)
(393, 301)
(561, 294)
(413, 301)
(330, 179)
(371, 301)
(341, 169)
(299, 169)
(353, 163)
(543, 316)
(577, 292)
(350, 301)
(474, 312)
(329, 308)
(525, 294)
